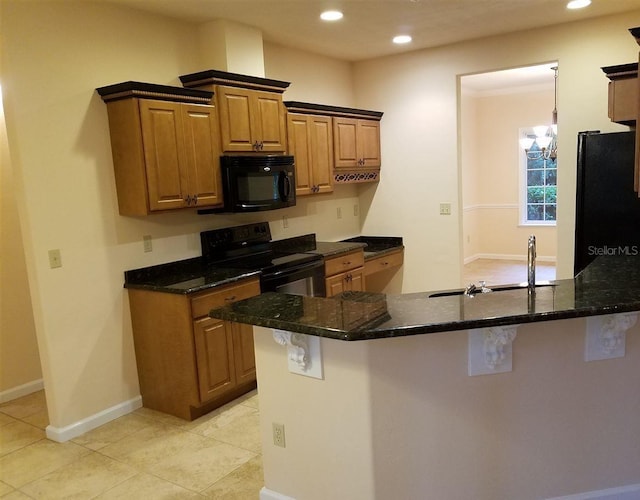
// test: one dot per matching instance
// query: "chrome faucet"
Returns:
(531, 263)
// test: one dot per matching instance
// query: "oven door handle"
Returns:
(294, 269)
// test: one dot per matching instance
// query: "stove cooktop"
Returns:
(250, 247)
(267, 261)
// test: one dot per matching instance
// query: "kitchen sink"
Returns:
(498, 288)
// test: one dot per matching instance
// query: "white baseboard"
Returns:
(62, 434)
(630, 492)
(21, 390)
(502, 256)
(267, 494)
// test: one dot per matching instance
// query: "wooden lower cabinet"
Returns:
(344, 273)
(350, 272)
(351, 281)
(385, 262)
(214, 357)
(189, 363)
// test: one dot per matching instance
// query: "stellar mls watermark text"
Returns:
(614, 250)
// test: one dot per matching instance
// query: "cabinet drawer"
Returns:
(344, 262)
(202, 304)
(387, 261)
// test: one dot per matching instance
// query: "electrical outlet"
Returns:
(356, 210)
(55, 259)
(278, 435)
(285, 222)
(339, 212)
(445, 208)
(148, 245)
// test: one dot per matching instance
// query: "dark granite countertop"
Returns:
(374, 246)
(196, 275)
(184, 276)
(608, 285)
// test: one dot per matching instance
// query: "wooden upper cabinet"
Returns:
(252, 117)
(368, 140)
(269, 122)
(166, 152)
(163, 143)
(352, 139)
(357, 143)
(623, 93)
(182, 154)
(251, 120)
(310, 140)
(202, 151)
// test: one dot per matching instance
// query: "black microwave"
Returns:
(257, 182)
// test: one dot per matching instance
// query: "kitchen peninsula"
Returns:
(396, 414)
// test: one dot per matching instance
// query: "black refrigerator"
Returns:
(607, 207)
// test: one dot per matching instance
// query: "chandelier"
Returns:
(545, 137)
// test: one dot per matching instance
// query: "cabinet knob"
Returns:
(188, 199)
(195, 199)
(261, 145)
(230, 299)
(256, 145)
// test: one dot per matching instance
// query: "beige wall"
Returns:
(400, 418)
(19, 359)
(308, 74)
(418, 92)
(490, 159)
(54, 55)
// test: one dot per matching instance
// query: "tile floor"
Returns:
(144, 454)
(148, 454)
(503, 272)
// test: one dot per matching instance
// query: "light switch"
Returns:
(55, 259)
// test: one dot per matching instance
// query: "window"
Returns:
(538, 193)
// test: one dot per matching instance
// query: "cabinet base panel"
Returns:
(188, 412)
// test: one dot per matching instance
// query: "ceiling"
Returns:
(366, 30)
(540, 76)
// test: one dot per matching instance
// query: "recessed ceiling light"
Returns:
(400, 39)
(331, 15)
(578, 4)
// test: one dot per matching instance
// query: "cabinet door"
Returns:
(355, 280)
(351, 281)
(163, 140)
(298, 136)
(344, 141)
(235, 118)
(368, 141)
(243, 352)
(267, 122)
(335, 284)
(202, 152)
(322, 153)
(214, 357)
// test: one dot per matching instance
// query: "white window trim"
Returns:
(522, 180)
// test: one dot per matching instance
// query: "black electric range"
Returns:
(250, 247)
